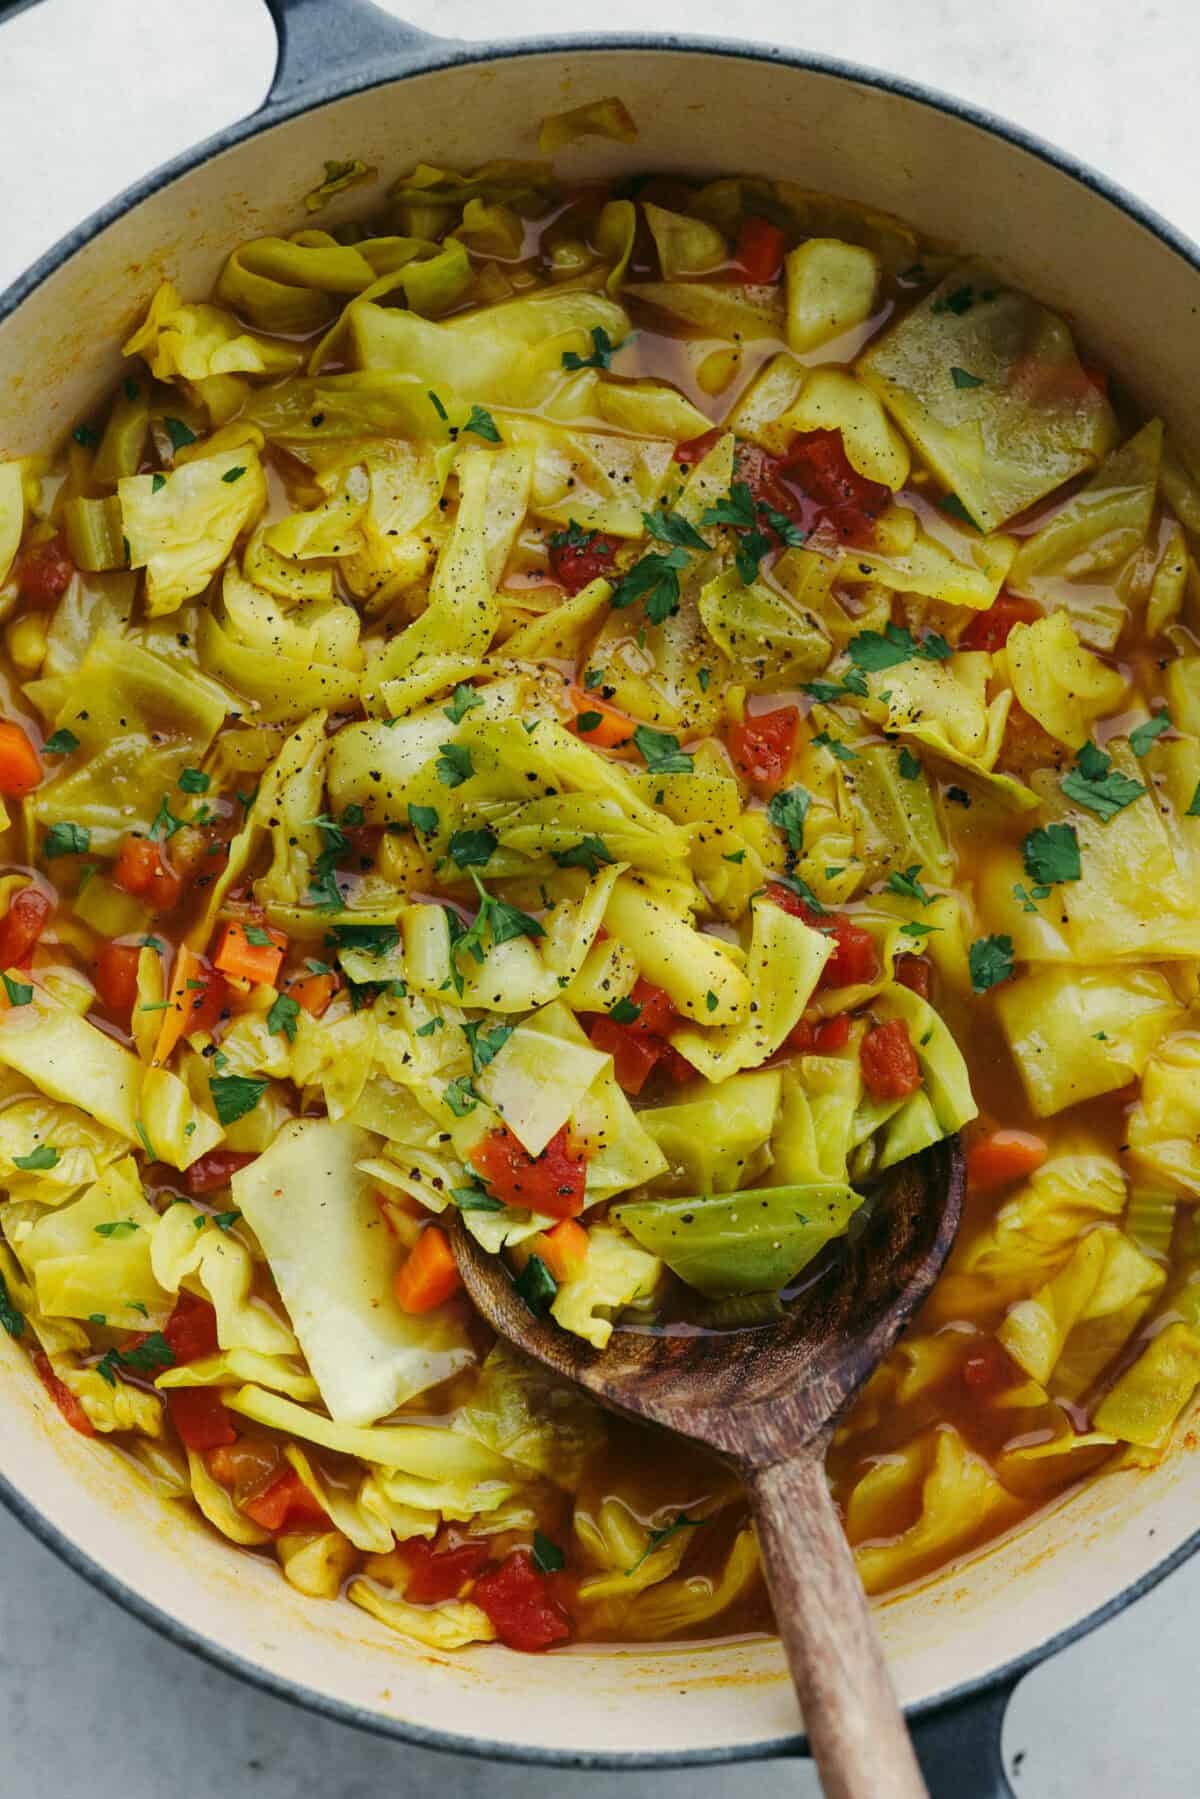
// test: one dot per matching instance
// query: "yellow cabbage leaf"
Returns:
(1163, 1131)
(1144, 1402)
(831, 288)
(181, 531)
(1078, 1032)
(94, 1255)
(783, 965)
(614, 1273)
(188, 1250)
(1058, 682)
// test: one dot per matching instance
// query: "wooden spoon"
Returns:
(766, 1400)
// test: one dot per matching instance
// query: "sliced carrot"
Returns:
(597, 722)
(20, 765)
(314, 992)
(251, 953)
(194, 1002)
(1003, 1156)
(427, 1277)
(563, 1249)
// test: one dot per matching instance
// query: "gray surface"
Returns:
(93, 93)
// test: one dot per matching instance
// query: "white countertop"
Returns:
(92, 94)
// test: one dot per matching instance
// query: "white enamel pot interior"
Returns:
(1134, 294)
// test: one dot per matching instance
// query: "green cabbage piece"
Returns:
(180, 1130)
(894, 817)
(93, 1255)
(715, 1138)
(940, 562)
(187, 1247)
(237, 1367)
(649, 409)
(833, 400)
(12, 515)
(1058, 682)
(427, 1453)
(815, 1130)
(73, 1061)
(183, 530)
(615, 1273)
(783, 965)
(325, 1239)
(1144, 1402)
(690, 967)
(537, 1079)
(769, 640)
(943, 705)
(216, 1504)
(1163, 1131)
(720, 309)
(1034, 421)
(598, 479)
(755, 1241)
(527, 1416)
(192, 342)
(1079, 1032)
(113, 1405)
(1106, 1279)
(84, 1147)
(140, 721)
(685, 245)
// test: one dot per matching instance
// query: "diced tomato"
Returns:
(989, 630)
(436, 1575)
(428, 1275)
(853, 960)
(216, 1169)
(286, 1501)
(759, 252)
(62, 1396)
(988, 1368)
(191, 1330)
(697, 448)
(28, 912)
(1003, 1156)
(44, 573)
(656, 1009)
(817, 465)
(889, 1061)
(200, 1417)
(634, 1056)
(142, 870)
(247, 1467)
(576, 564)
(597, 722)
(915, 973)
(822, 1036)
(518, 1600)
(20, 764)
(551, 1183)
(115, 970)
(762, 746)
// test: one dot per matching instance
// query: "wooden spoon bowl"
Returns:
(766, 1400)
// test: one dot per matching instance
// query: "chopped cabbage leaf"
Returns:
(959, 1499)
(94, 1255)
(328, 1261)
(113, 1405)
(451, 1625)
(832, 400)
(941, 562)
(1163, 1131)
(1058, 682)
(183, 530)
(216, 1503)
(1078, 1032)
(193, 342)
(12, 515)
(615, 1273)
(688, 965)
(716, 1141)
(831, 288)
(1033, 421)
(944, 705)
(769, 640)
(783, 965)
(1105, 1275)
(609, 117)
(537, 1079)
(188, 1250)
(239, 1367)
(1144, 1402)
(530, 1418)
(73, 1061)
(755, 1241)
(425, 1451)
(815, 1131)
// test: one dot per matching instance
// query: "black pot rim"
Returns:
(428, 55)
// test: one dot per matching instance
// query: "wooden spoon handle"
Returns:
(855, 1728)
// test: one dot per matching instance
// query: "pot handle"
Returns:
(960, 1748)
(325, 40)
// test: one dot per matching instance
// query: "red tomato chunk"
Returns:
(200, 1417)
(191, 1330)
(575, 565)
(116, 977)
(915, 973)
(27, 916)
(853, 960)
(763, 744)
(889, 1061)
(519, 1602)
(287, 1501)
(820, 1037)
(435, 1575)
(990, 630)
(44, 573)
(216, 1170)
(759, 252)
(551, 1183)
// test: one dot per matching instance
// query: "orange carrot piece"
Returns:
(314, 992)
(563, 1249)
(251, 953)
(427, 1277)
(1003, 1156)
(193, 987)
(598, 723)
(20, 764)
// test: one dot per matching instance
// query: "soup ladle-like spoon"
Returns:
(766, 1401)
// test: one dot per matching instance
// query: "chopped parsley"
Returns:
(1051, 854)
(536, 1286)
(661, 752)
(86, 437)
(874, 651)
(591, 853)
(711, 1000)
(476, 1198)
(147, 1357)
(787, 811)
(179, 433)
(738, 856)
(66, 840)
(165, 822)
(233, 474)
(157, 482)
(603, 351)
(990, 960)
(61, 744)
(655, 581)
(486, 1045)
(910, 767)
(371, 939)
(957, 301)
(38, 1160)
(907, 885)
(431, 1025)
(461, 1096)
(194, 780)
(736, 508)
(655, 1538)
(283, 1017)
(464, 700)
(1142, 736)
(423, 818)
(835, 746)
(548, 1558)
(437, 405)
(19, 992)
(236, 1094)
(472, 849)
(1099, 787)
(951, 504)
(625, 1011)
(453, 764)
(117, 1227)
(482, 424)
(225, 1221)
(673, 528)
(12, 1320)
(962, 379)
